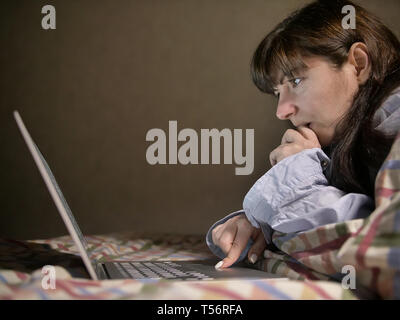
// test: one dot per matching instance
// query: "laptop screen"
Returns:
(58, 198)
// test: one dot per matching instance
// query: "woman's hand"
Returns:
(294, 141)
(232, 237)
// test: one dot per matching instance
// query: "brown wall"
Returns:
(112, 70)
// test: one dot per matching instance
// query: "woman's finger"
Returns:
(273, 156)
(291, 136)
(238, 245)
(308, 133)
(226, 240)
(280, 153)
(257, 248)
(226, 237)
(216, 234)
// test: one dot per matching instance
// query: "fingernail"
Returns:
(253, 258)
(219, 265)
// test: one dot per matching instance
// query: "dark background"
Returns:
(112, 70)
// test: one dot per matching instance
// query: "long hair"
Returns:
(357, 150)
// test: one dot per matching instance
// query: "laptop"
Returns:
(154, 270)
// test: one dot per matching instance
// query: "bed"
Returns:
(22, 262)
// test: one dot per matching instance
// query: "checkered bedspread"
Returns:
(21, 275)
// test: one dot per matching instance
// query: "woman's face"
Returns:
(317, 97)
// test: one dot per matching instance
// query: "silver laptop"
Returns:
(172, 270)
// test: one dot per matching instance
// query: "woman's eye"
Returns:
(295, 82)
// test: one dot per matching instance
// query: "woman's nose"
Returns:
(286, 109)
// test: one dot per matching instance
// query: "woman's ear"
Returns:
(359, 59)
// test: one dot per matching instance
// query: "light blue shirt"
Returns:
(295, 196)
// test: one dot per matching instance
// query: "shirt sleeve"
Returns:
(295, 196)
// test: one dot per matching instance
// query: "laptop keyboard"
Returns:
(158, 270)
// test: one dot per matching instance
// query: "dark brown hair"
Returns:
(357, 150)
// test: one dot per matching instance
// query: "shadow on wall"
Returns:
(92, 89)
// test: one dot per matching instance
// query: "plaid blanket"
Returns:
(368, 248)
(21, 276)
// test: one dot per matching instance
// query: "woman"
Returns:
(340, 88)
